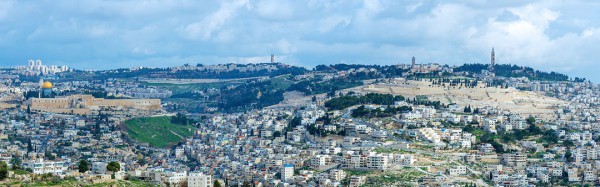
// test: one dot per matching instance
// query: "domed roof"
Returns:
(47, 84)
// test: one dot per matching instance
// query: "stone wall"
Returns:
(84, 104)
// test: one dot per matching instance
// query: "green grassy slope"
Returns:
(157, 131)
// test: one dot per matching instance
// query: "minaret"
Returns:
(40, 90)
(414, 62)
(493, 60)
(272, 58)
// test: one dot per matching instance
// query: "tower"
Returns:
(493, 60)
(414, 62)
(40, 90)
(272, 58)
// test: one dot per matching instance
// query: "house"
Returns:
(457, 170)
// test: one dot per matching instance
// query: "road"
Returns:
(44, 143)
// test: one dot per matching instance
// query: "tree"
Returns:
(296, 121)
(531, 120)
(49, 155)
(15, 162)
(96, 131)
(180, 118)
(3, 170)
(568, 155)
(246, 184)
(83, 166)
(217, 184)
(29, 146)
(141, 162)
(183, 184)
(331, 93)
(568, 143)
(467, 109)
(113, 166)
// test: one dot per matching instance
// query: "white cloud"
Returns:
(274, 9)
(5, 7)
(329, 23)
(215, 21)
(370, 8)
(545, 34)
(535, 14)
(99, 30)
(526, 41)
(286, 47)
(412, 7)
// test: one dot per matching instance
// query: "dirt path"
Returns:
(177, 134)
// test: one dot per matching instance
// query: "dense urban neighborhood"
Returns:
(273, 124)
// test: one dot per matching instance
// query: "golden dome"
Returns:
(47, 84)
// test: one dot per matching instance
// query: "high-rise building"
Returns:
(414, 62)
(35, 67)
(287, 172)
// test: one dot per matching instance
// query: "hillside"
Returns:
(523, 102)
(236, 87)
(157, 131)
(219, 71)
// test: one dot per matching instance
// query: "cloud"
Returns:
(215, 21)
(546, 34)
(5, 7)
(370, 8)
(412, 7)
(526, 41)
(329, 23)
(274, 10)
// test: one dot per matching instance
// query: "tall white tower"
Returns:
(40, 88)
(493, 60)
(414, 62)
(493, 57)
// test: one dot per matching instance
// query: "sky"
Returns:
(551, 35)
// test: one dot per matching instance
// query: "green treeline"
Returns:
(507, 70)
(370, 98)
(362, 111)
(246, 96)
(311, 87)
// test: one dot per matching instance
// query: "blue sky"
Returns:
(557, 35)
